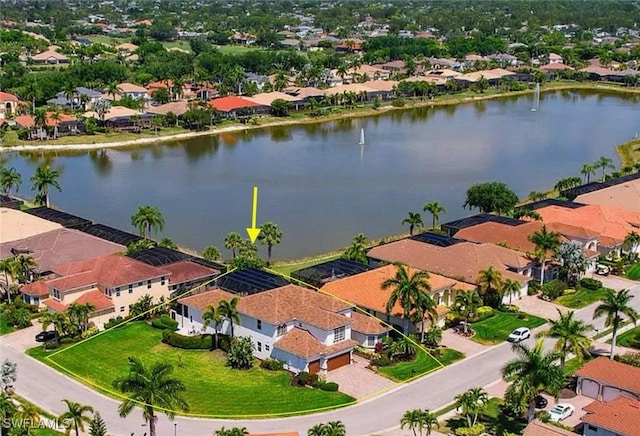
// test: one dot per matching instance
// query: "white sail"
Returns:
(536, 98)
(361, 137)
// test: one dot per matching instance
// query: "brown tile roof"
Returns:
(538, 428)
(201, 300)
(186, 271)
(15, 225)
(610, 372)
(292, 302)
(28, 121)
(109, 271)
(367, 324)
(365, 289)
(58, 247)
(38, 288)
(178, 108)
(462, 261)
(94, 297)
(620, 416)
(126, 87)
(301, 343)
(625, 195)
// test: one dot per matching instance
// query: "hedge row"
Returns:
(164, 322)
(200, 342)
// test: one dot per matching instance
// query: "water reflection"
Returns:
(101, 162)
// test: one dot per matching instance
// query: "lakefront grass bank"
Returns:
(123, 139)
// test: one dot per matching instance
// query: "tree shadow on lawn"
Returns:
(496, 419)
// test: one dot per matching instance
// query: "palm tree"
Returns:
(357, 250)
(613, 306)
(7, 409)
(333, 428)
(229, 310)
(510, 288)
(435, 209)
(472, 402)
(79, 315)
(604, 163)
(544, 241)
(418, 421)
(40, 121)
(211, 253)
(43, 179)
(270, 235)
(150, 387)
(466, 304)
(113, 89)
(408, 290)
(571, 334)
(55, 117)
(414, 220)
(97, 427)
(490, 282)
(75, 416)
(60, 323)
(213, 315)
(531, 373)
(232, 241)
(148, 218)
(425, 307)
(632, 242)
(10, 268)
(10, 177)
(25, 266)
(587, 171)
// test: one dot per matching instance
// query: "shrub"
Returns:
(240, 355)
(113, 322)
(569, 292)
(313, 378)
(303, 378)
(451, 319)
(364, 352)
(474, 430)
(632, 359)
(318, 384)
(272, 364)
(483, 312)
(511, 309)
(590, 283)
(543, 416)
(330, 387)
(433, 337)
(224, 342)
(634, 341)
(200, 342)
(51, 345)
(398, 102)
(381, 360)
(553, 289)
(164, 322)
(91, 331)
(533, 288)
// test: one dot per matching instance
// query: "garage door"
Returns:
(589, 388)
(314, 367)
(609, 393)
(338, 361)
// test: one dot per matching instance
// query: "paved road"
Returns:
(46, 387)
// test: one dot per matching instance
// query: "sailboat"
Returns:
(536, 98)
(361, 137)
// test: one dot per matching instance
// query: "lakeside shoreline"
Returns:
(368, 112)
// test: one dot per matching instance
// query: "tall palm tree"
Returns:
(10, 178)
(113, 89)
(357, 250)
(587, 171)
(150, 387)
(604, 163)
(25, 266)
(408, 290)
(148, 218)
(425, 307)
(40, 121)
(571, 334)
(333, 428)
(632, 242)
(414, 220)
(466, 304)
(10, 269)
(211, 253)
(55, 117)
(472, 402)
(544, 242)
(232, 241)
(510, 288)
(490, 283)
(532, 372)
(435, 209)
(614, 306)
(75, 416)
(229, 310)
(213, 315)
(270, 235)
(43, 179)
(420, 422)
(79, 315)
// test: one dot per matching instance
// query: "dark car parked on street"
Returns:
(46, 336)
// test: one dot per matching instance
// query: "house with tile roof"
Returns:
(50, 57)
(232, 106)
(307, 330)
(81, 98)
(8, 105)
(624, 195)
(462, 261)
(620, 417)
(111, 283)
(16, 225)
(605, 379)
(56, 125)
(539, 428)
(365, 291)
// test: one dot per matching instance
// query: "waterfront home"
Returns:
(552, 70)
(266, 98)
(457, 259)
(365, 291)
(56, 125)
(9, 104)
(177, 108)
(233, 107)
(122, 118)
(112, 283)
(16, 225)
(305, 93)
(306, 330)
(82, 97)
(624, 195)
(127, 89)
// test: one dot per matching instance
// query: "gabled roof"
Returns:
(94, 297)
(38, 288)
(610, 372)
(367, 324)
(301, 343)
(5, 96)
(48, 54)
(620, 416)
(201, 300)
(187, 271)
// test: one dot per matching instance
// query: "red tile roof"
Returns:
(230, 103)
(187, 271)
(555, 66)
(538, 428)
(38, 288)
(6, 96)
(367, 324)
(94, 297)
(27, 121)
(301, 343)
(201, 300)
(610, 372)
(620, 416)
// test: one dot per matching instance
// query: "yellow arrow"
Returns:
(253, 231)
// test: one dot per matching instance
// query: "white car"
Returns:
(561, 411)
(519, 334)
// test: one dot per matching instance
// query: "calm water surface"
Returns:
(322, 188)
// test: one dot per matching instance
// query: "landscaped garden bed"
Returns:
(422, 363)
(582, 294)
(212, 388)
(492, 417)
(630, 338)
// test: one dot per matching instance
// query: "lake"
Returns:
(321, 187)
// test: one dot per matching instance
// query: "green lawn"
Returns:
(623, 339)
(212, 388)
(422, 364)
(235, 49)
(572, 365)
(492, 417)
(495, 329)
(583, 297)
(4, 327)
(633, 273)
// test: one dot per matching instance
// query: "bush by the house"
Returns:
(91, 331)
(590, 283)
(474, 430)
(240, 355)
(18, 317)
(272, 364)
(364, 352)
(433, 337)
(381, 360)
(318, 383)
(569, 291)
(224, 342)
(484, 312)
(553, 289)
(114, 322)
(164, 322)
(51, 345)
(634, 341)
(200, 342)
(313, 378)
(632, 359)
(303, 378)
(533, 288)
(398, 102)
(330, 387)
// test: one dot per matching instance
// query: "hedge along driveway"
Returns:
(495, 329)
(212, 389)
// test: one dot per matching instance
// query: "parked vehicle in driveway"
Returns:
(541, 402)
(561, 411)
(602, 270)
(46, 336)
(519, 334)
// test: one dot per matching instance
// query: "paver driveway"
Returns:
(358, 381)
